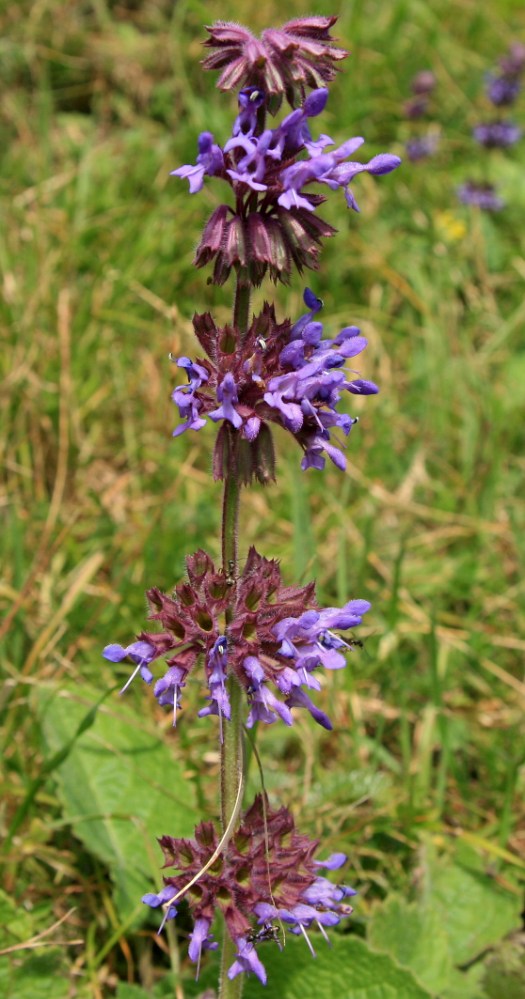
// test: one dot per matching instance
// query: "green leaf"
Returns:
(466, 984)
(16, 924)
(474, 909)
(36, 977)
(460, 912)
(348, 969)
(505, 970)
(416, 937)
(125, 991)
(120, 788)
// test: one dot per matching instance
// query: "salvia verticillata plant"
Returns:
(257, 645)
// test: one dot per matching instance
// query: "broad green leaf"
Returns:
(416, 937)
(346, 970)
(474, 909)
(38, 976)
(466, 984)
(120, 787)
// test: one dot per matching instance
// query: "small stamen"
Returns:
(305, 935)
(133, 675)
(324, 933)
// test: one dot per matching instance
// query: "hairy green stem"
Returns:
(232, 759)
(241, 307)
(230, 510)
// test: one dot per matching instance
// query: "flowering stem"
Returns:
(231, 775)
(232, 759)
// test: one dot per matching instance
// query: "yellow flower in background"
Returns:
(450, 227)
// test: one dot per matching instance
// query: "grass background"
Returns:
(98, 102)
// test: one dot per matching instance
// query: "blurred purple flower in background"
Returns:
(421, 147)
(483, 195)
(497, 134)
(502, 90)
(422, 86)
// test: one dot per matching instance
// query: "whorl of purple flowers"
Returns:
(293, 377)
(268, 169)
(278, 638)
(266, 879)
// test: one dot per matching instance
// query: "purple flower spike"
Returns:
(513, 63)
(288, 374)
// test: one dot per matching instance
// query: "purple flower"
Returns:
(416, 107)
(497, 133)
(167, 689)
(482, 195)
(227, 396)
(502, 90)
(246, 959)
(163, 898)
(209, 161)
(422, 86)
(423, 82)
(200, 939)
(250, 100)
(328, 168)
(513, 63)
(141, 653)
